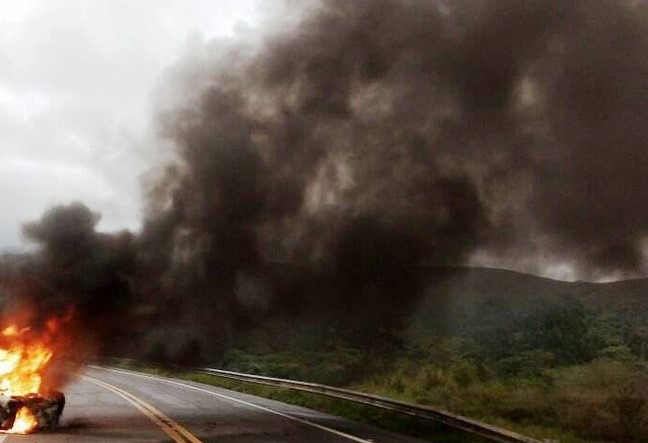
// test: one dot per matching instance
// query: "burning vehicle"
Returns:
(25, 404)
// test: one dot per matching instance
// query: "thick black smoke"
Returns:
(78, 274)
(374, 138)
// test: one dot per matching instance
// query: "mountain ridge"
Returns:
(459, 298)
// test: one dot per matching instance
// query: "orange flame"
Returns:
(10, 331)
(24, 356)
(25, 422)
(21, 363)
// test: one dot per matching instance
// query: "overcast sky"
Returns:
(75, 98)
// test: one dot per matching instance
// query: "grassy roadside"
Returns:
(603, 400)
(399, 423)
(563, 404)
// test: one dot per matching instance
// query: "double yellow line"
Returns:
(175, 430)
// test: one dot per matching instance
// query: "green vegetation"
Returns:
(559, 372)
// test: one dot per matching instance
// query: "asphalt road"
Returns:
(109, 405)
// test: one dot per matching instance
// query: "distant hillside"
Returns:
(466, 298)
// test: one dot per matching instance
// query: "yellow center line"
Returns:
(174, 429)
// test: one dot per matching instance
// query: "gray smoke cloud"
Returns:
(373, 138)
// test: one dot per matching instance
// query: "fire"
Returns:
(24, 356)
(22, 361)
(10, 331)
(25, 422)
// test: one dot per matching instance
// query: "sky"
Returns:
(76, 79)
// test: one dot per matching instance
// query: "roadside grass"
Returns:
(600, 401)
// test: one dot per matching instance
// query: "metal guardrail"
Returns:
(426, 412)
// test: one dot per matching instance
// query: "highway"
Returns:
(110, 405)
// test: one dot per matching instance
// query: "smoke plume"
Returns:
(321, 170)
(374, 138)
(78, 274)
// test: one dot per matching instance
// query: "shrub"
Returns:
(603, 399)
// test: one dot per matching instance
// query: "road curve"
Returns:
(108, 405)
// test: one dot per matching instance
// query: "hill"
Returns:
(457, 299)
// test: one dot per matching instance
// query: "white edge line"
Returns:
(252, 405)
